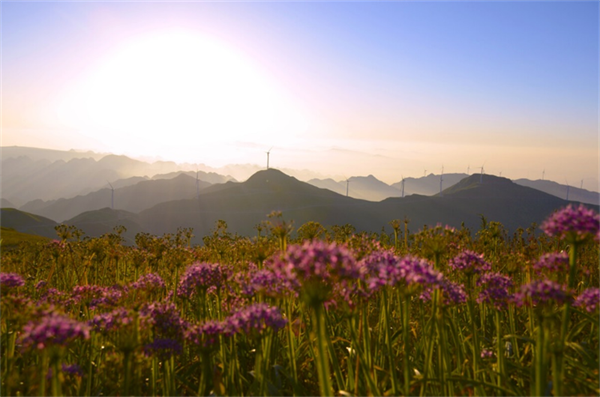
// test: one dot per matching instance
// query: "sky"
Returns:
(392, 89)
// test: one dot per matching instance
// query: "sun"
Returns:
(178, 86)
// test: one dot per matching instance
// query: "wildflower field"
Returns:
(307, 311)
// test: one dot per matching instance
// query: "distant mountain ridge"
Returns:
(132, 198)
(32, 176)
(243, 205)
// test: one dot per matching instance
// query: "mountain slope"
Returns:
(25, 222)
(133, 198)
(244, 205)
(558, 190)
(103, 221)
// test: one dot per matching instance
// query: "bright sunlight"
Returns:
(179, 86)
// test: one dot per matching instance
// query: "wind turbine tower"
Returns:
(197, 186)
(481, 176)
(568, 188)
(347, 185)
(112, 196)
(543, 174)
(441, 181)
(581, 187)
(402, 185)
(268, 152)
(469, 169)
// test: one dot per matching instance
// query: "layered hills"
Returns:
(244, 205)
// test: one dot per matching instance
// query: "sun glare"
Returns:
(179, 86)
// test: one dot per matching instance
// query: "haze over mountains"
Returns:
(54, 186)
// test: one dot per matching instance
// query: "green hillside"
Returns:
(26, 222)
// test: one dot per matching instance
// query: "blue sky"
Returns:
(339, 88)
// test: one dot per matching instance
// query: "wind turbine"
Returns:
(441, 181)
(112, 196)
(568, 188)
(468, 169)
(581, 187)
(347, 185)
(481, 175)
(402, 185)
(197, 186)
(425, 173)
(268, 152)
(543, 174)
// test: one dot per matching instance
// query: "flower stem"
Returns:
(322, 361)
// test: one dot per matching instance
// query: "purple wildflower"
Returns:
(320, 260)
(588, 299)
(151, 282)
(556, 262)
(266, 281)
(485, 353)
(163, 348)
(255, 319)
(378, 269)
(95, 296)
(41, 284)
(55, 297)
(201, 276)
(114, 320)
(494, 289)
(72, 369)
(164, 318)
(53, 329)
(470, 263)
(205, 335)
(541, 292)
(419, 272)
(573, 224)
(11, 280)
(316, 266)
(453, 293)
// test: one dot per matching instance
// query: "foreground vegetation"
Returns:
(311, 311)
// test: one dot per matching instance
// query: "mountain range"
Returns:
(243, 205)
(162, 196)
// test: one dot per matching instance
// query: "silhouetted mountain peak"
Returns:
(490, 186)
(269, 178)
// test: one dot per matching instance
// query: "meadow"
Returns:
(307, 311)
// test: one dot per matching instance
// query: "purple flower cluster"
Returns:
(318, 260)
(485, 353)
(95, 296)
(454, 293)
(588, 299)
(206, 335)
(255, 319)
(573, 223)
(408, 271)
(150, 282)
(11, 280)
(107, 322)
(556, 262)
(72, 369)
(470, 262)
(266, 281)
(163, 348)
(494, 289)
(164, 319)
(53, 329)
(541, 292)
(201, 276)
